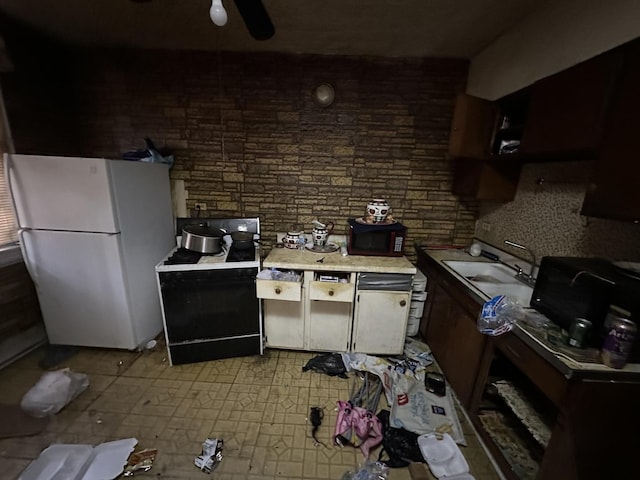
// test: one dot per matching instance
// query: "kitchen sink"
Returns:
(492, 279)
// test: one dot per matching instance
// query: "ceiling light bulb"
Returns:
(217, 13)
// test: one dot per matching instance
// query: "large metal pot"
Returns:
(202, 238)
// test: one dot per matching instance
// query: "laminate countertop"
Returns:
(531, 336)
(336, 262)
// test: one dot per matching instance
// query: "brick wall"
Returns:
(248, 139)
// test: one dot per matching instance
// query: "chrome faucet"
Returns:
(520, 275)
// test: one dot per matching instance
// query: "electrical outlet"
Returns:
(485, 226)
(201, 206)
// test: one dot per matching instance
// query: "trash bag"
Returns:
(399, 445)
(329, 363)
(53, 391)
(151, 154)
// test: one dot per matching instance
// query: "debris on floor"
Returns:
(53, 391)
(444, 457)
(315, 417)
(356, 422)
(77, 461)
(418, 351)
(399, 446)
(368, 471)
(140, 461)
(329, 363)
(211, 455)
(412, 406)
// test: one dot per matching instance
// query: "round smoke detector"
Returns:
(324, 95)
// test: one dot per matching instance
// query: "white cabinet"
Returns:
(319, 312)
(380, 322)
(330, 314)
(310, 314)
(284, 312)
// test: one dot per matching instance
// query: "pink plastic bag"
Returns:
(357, 427)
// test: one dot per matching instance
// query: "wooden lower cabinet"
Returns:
(539, 420)
(455, 341)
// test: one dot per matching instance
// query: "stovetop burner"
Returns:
(184, 256)
(241, 254)
(229, 253)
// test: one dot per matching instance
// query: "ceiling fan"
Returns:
(256, 18)
(253, 13)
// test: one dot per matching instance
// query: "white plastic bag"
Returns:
(53, 392)
(419, 411)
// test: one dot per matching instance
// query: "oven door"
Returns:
(211, 314)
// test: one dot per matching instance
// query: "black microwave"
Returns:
(387, 239)
(575, 287)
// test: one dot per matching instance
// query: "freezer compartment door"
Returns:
(81, 287)
(62, 193)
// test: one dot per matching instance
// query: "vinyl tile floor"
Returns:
(258, 405)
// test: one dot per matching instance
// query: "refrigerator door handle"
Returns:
(25, 258)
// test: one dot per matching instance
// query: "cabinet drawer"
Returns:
(279, 290)
(540, 372)
(332, 292)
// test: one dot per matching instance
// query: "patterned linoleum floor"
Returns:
(258, 405)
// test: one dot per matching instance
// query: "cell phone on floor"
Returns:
(435, 383)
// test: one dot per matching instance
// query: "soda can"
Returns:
(620, 333)
(579, 332)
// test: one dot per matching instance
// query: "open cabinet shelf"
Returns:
(515, 419)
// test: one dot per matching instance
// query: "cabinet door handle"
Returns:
(278, 290)
(330, 293)
(403, 303)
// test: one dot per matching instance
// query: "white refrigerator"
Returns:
(91, 232)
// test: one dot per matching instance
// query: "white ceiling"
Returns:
(393, 28)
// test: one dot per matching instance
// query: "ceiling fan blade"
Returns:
(256, 18)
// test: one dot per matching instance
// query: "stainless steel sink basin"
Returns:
(483, 272)
(492, 279)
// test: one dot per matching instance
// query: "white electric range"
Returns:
(209, 304)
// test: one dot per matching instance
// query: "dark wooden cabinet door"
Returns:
(567, 111)
(466, 347)
(478, 173)
(495, 179)
(454, 339)
(439, 327)
(472, 127)
(614, 190)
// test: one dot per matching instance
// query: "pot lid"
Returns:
(203, 230)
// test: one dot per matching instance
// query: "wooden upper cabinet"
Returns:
(614, 190)
(567, 111)
(477, 172)
(472, 128)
